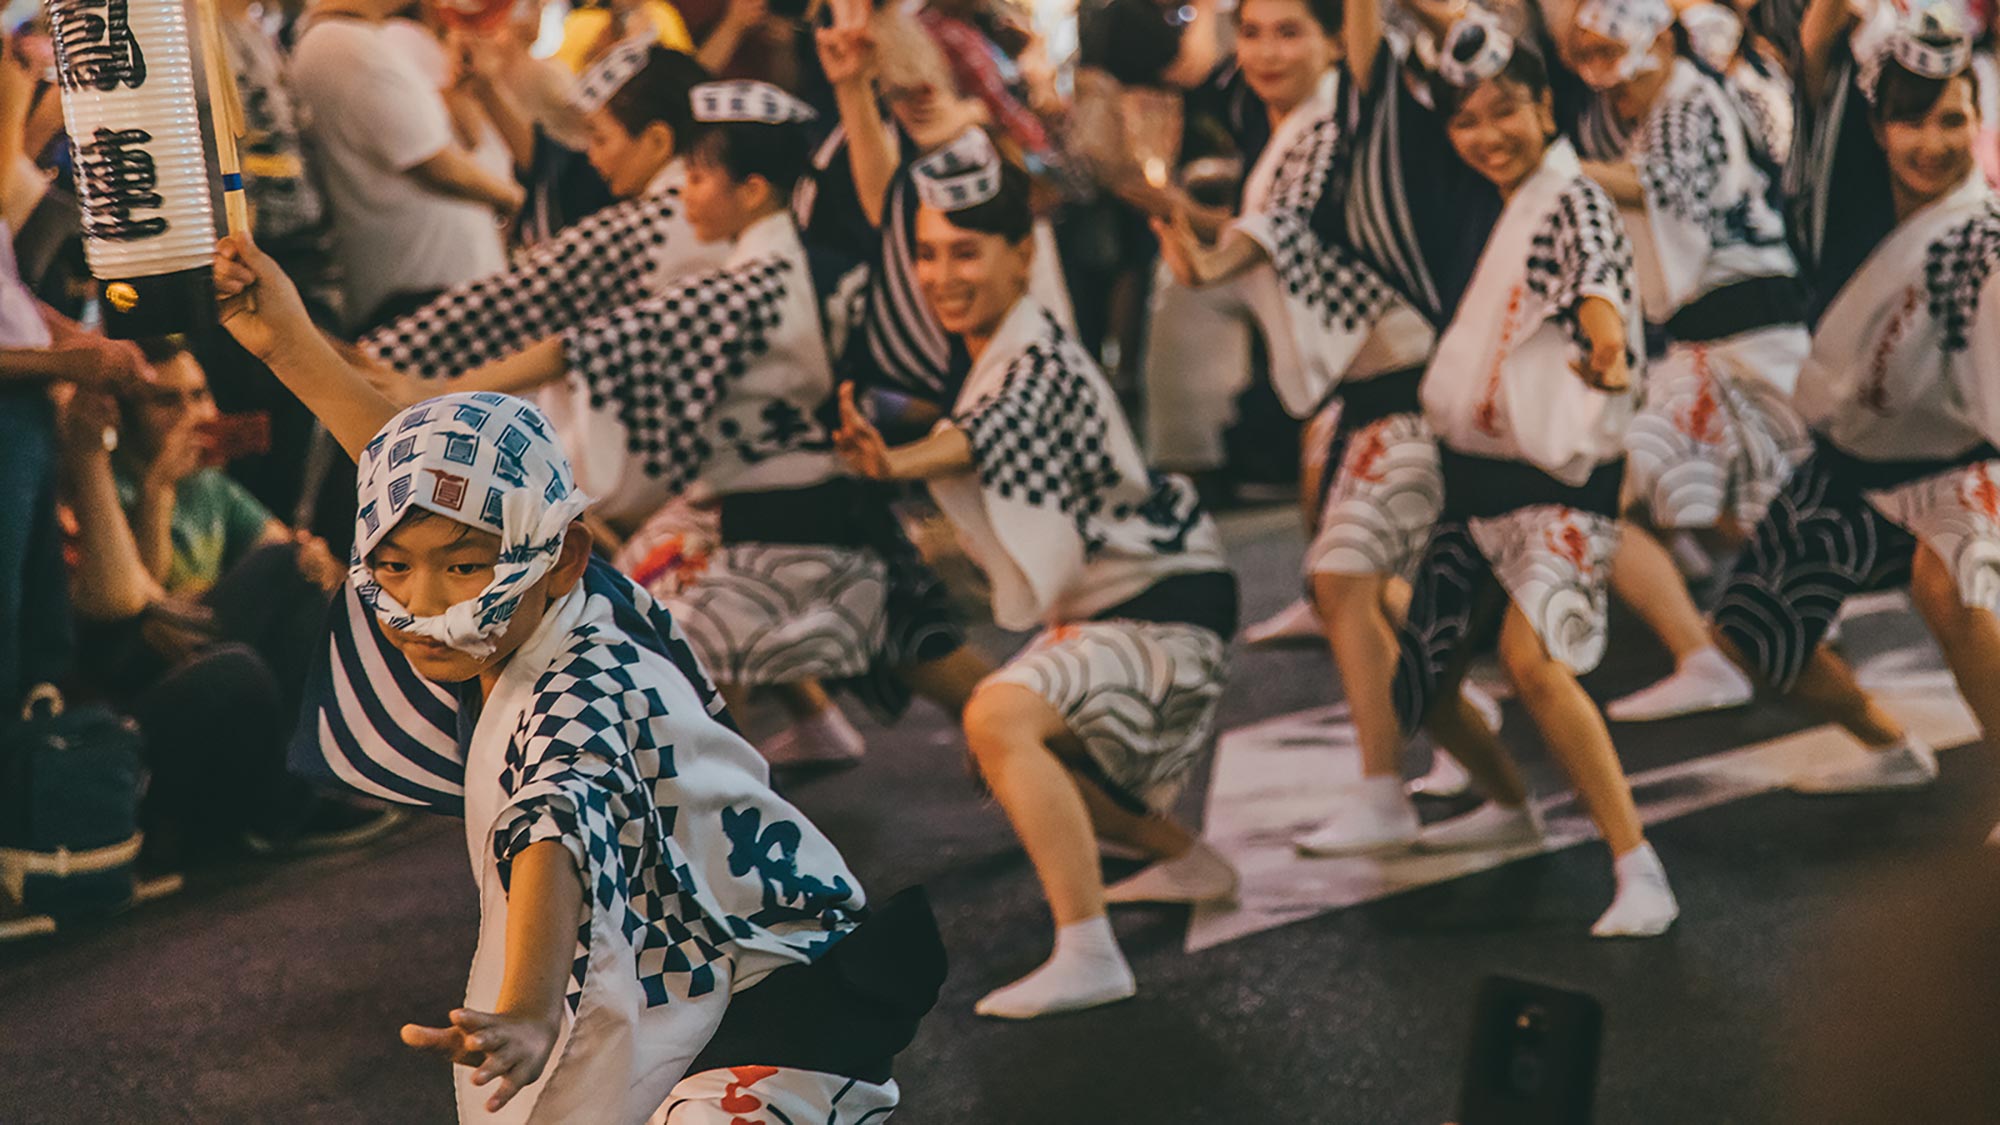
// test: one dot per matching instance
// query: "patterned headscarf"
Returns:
(485, 460)
(1635, 23)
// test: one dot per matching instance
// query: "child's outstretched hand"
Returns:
(258, 304)
(511, 1049)
(1604, 366)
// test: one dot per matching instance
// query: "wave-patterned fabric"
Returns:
(1711, 438)
(774, 614)
(1140, 696)
(1386, 495)
(1957, 515)
(1556, 565)
(1817, 545)
(1454, 601)
(1551, 562)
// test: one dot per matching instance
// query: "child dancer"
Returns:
(1902, 390)
(1103, 714)
(1529, 394)
(660, 935)
(1715, 436)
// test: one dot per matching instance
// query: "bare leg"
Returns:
(948, 682)
(803, 699)
(1969, 637)
(1462, 732)
(1157, 836)
(736, 697)
(1827, 688)
(1364, 652)
(1010, 730)
(1013, 732)
(1645, 579)
(1576, 737)
(1573, 731)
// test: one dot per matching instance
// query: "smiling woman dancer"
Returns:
(1529, 393)
(1902, 391)
(1340, 340)
(1102, 715)
(1715, 436)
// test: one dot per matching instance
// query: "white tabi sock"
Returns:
(1705, 681)
(1375, 816)
(1086, 969)
(1199, 874)
(1644, 905)
(826, 736)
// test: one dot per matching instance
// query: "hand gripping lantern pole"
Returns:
(132, 99)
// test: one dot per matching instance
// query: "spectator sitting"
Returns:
(197, 603)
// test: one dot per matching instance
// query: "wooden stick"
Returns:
(226, 109)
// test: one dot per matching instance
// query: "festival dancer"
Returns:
(721, 964)
(864, 192)
(1753, 71)
(1529, 393)
(1102, 716)
(1340, 343)
(724, 381)
(1902, 391)
(1715, 436)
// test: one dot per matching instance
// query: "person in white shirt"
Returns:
(414, 212)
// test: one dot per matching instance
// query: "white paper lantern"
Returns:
(130, 96)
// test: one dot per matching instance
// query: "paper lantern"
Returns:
(133, 104)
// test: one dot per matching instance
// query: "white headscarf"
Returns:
(485, 460)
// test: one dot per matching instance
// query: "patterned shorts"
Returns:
(1822, 542)
(775, 613)
(775, 1093)
(1712, 438)
(1385, 496)
(1551, 562)
(1140, 696)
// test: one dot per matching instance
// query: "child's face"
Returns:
(720, 207)
(429, 563)
(1501, 131)
(627, 162)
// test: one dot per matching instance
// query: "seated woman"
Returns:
(1529, 392)
(1902, 391)
(1102, 715)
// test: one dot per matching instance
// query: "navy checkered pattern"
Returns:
(668, 361)
(592, 763)
(602, 262)
(1956, 270)
(1041, 439)
(1582, 248)
(1321, 272)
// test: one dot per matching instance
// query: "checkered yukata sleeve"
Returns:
(1685, 156)
(603, 262)
(1042, 439)
(593, 764)
(1582, 251)
(662, 365)
(1344, 294)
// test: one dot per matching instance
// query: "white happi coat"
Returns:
(627, 252)
(1501, 383)
(1061, 511)
(1905, 364)
(1323, 313)
(698, 879)
(721, 379)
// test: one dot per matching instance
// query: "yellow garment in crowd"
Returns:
(584, 28)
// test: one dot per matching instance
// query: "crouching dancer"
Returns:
(661, 937)
(1102, 716)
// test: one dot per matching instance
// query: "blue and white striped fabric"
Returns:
(373, 726)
